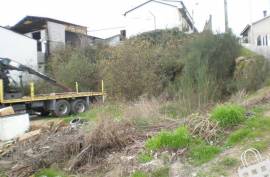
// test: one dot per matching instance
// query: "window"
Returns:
(36, 35)
(259, 40)
(266, 40)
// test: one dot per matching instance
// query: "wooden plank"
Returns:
(6, 111)
(29, 135)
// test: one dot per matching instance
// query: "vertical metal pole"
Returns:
(1, 91)
(102, 90)
(32, 90)
(226, 16)
(155, 20)
(77, 87)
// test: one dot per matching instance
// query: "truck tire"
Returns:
(62, 108)
(79, 106)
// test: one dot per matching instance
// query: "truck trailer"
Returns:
(57, 104)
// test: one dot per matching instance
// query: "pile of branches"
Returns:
(201, 126)
(70, 149)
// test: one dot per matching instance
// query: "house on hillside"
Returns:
(158, 14)
(19, 48)
(52, 34)
(256, 36)
(116, 39)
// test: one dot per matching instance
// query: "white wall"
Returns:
(19, 48)
(141, 19)
(56, 35)
(261, 28)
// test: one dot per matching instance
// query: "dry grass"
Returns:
(200, 126)
(143, 112)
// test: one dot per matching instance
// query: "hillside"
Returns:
(178, 105)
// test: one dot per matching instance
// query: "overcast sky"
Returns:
(101, 14)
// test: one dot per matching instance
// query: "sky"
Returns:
(101, 15)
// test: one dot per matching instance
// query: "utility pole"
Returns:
(155, 20)
(226, 16)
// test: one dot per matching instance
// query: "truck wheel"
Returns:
(62, 108)
(78, 106)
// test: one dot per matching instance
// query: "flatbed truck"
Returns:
(57, 104)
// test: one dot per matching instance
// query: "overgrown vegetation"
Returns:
(203, 153)
(184, 74)
(180, 138)
(228, 115)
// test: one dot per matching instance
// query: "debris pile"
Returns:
(66, 147)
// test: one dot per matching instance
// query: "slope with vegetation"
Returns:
(177, 105)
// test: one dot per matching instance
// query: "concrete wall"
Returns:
(19, 48)
(56, 36)
(261, 50)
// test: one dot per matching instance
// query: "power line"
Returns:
(105, 29)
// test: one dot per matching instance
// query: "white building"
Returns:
(154, 14)
(256, 36)
(52, 34)
(19, 48)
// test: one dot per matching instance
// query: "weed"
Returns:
(139, 174)
(260, 145)
(145, 157)
(203, 153)
(162, 172)
(229, 162)
(50, 173)
(171, 110)
(238, 136)
(180, 138)
(228, 115)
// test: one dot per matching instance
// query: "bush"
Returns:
(251, 72)
(69, 66)
(228, 115)
(209, 63)
(144, 65)
(203, 153)
(180, 138)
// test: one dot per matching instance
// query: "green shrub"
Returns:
(228, 115)
(203, 153)
(145, 157)
(80, 65)
(180, 138)
(251, 72)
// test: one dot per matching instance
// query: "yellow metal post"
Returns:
(1, 91)
(77, 87)
(32, 90)
(102, 90)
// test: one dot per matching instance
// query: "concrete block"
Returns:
(13, 126)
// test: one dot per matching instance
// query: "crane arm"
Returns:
(8, 64)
